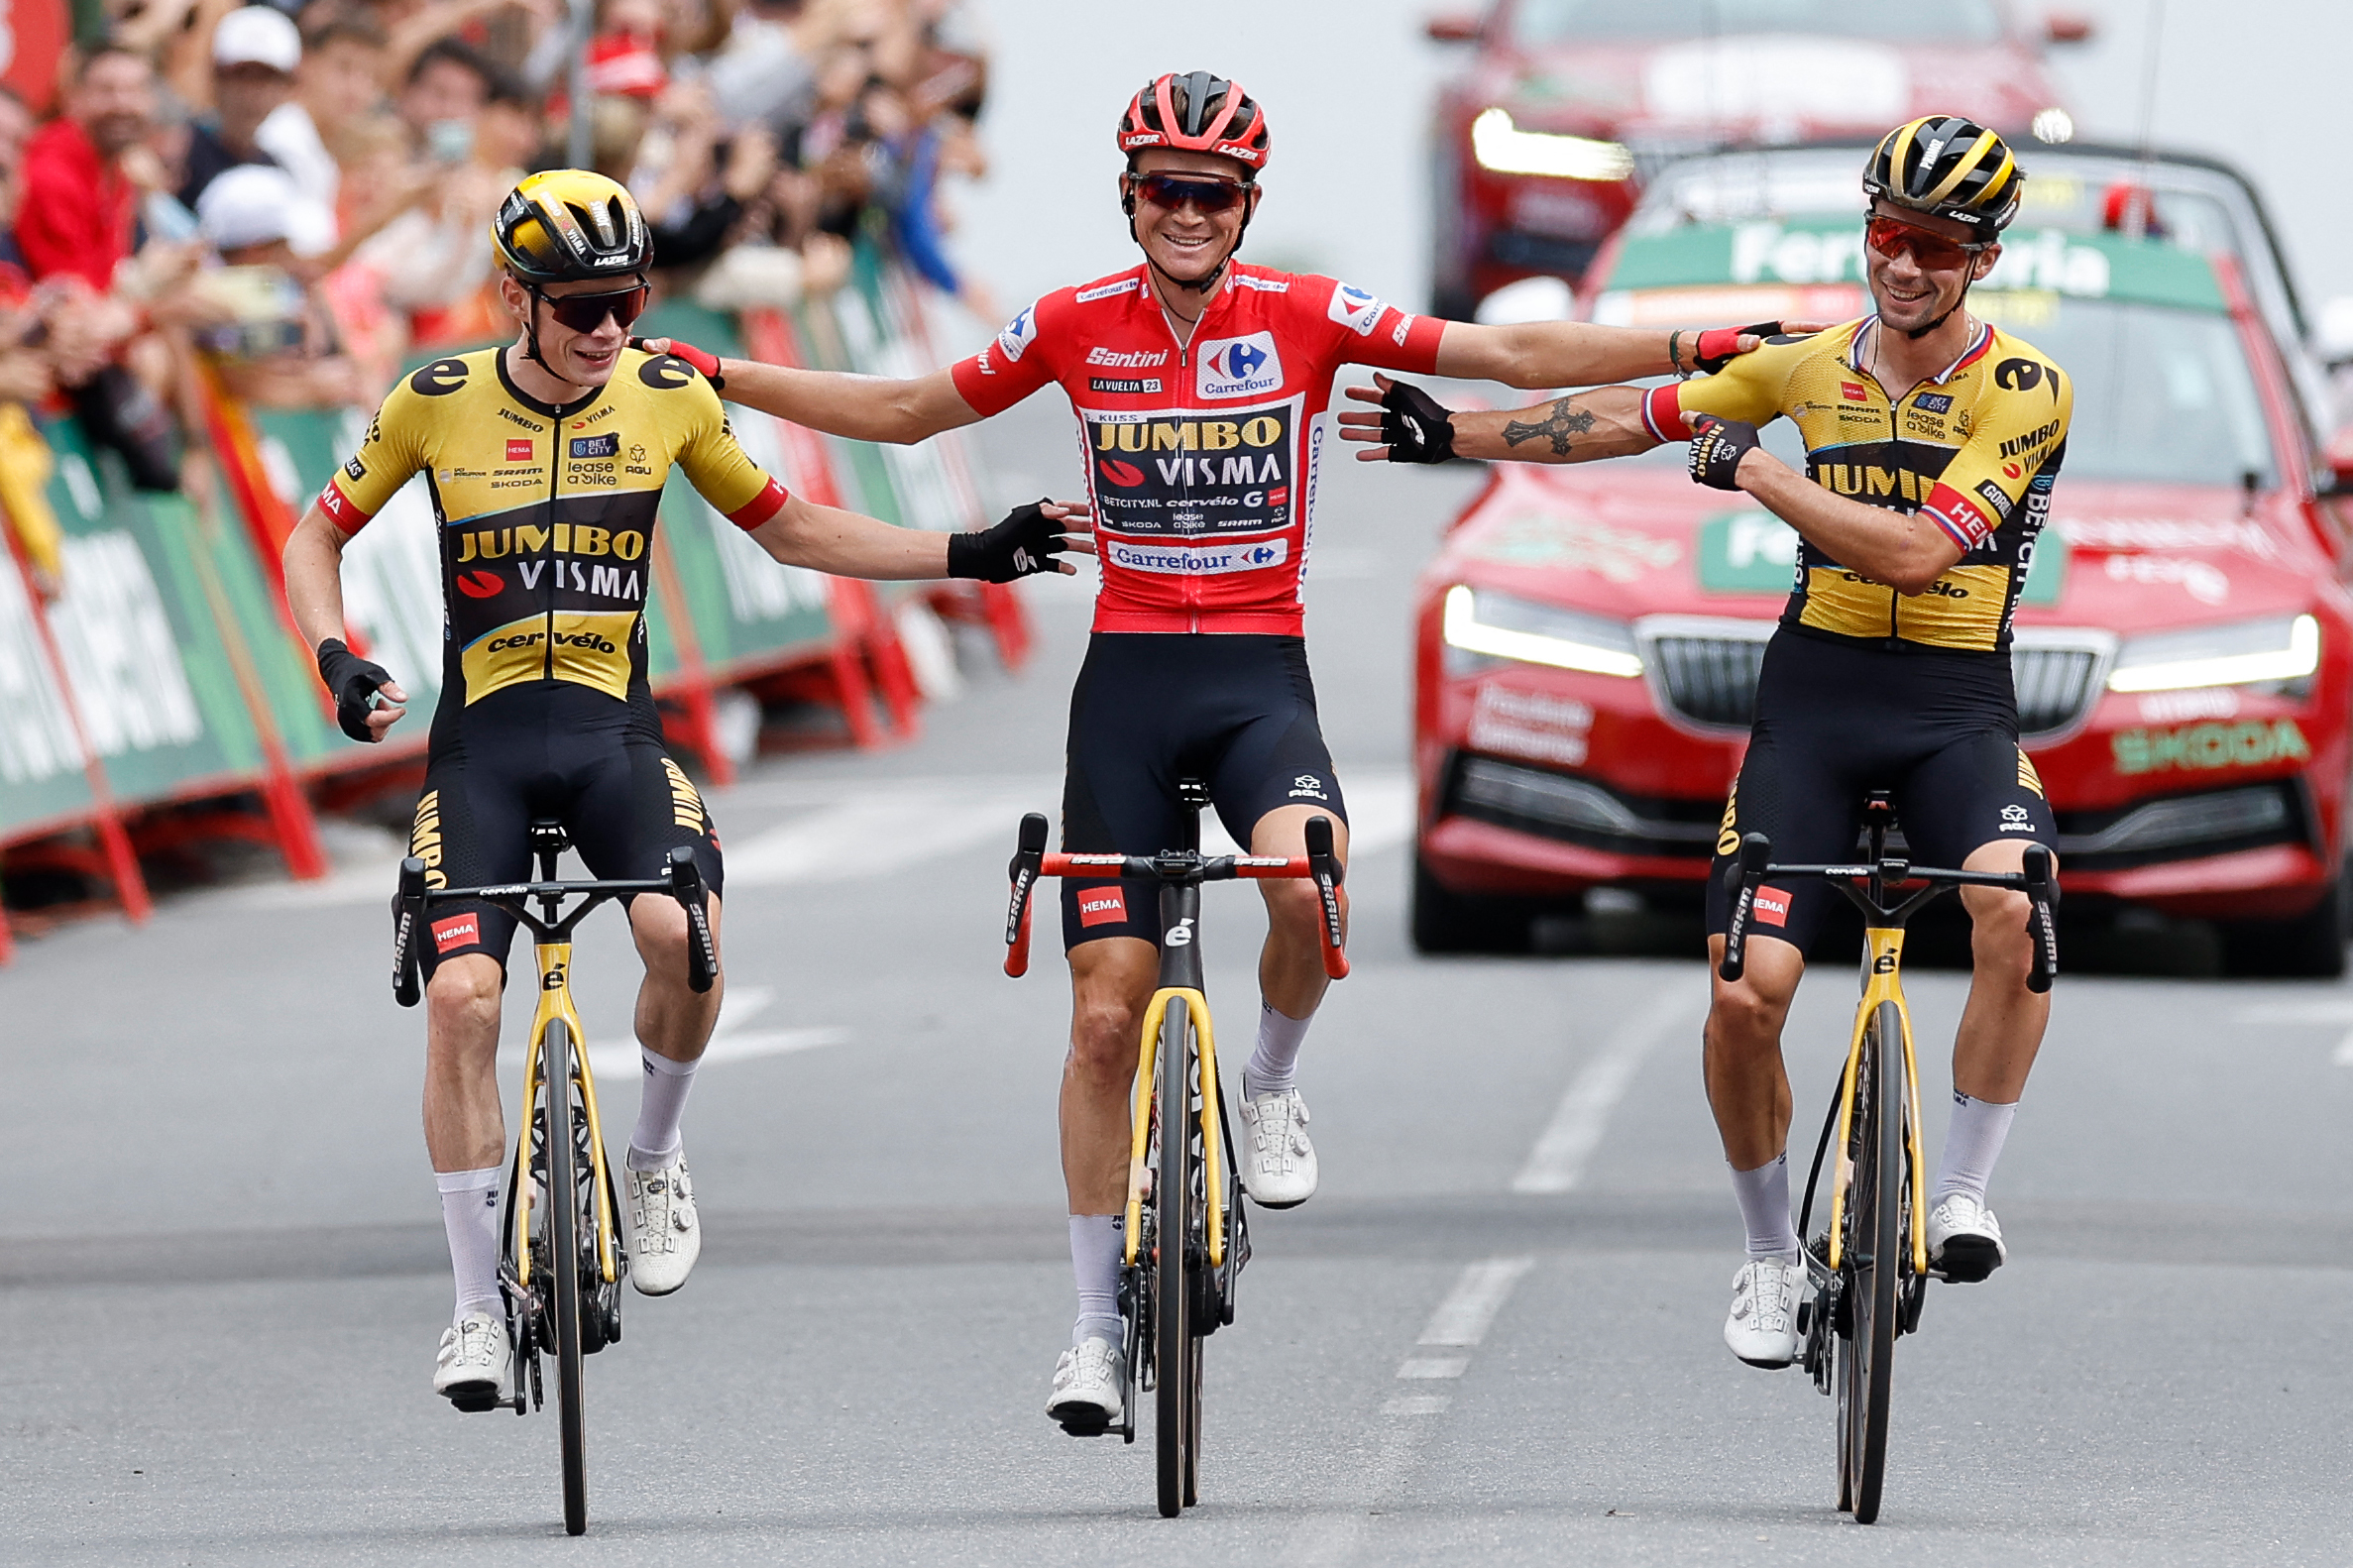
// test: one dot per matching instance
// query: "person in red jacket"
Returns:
(79, 203)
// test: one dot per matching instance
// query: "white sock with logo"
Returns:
(469, 1215)
(1972, 1143)
(654, 1145)
(1096, 1245)
(1274, 1065)
(1764, 1207)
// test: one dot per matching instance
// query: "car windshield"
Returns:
(1542, 22)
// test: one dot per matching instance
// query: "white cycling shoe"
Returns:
(665, 1236)
(1090, 1388)
(475, 1362)
(1964, 1241)
(1278, 1161)
(1762, 1327)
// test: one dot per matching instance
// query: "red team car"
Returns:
(1544, 140)
(1588, 638)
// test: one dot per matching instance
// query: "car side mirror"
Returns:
(2067, 27)
(1454, 26)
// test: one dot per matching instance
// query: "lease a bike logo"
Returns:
(1239, 366)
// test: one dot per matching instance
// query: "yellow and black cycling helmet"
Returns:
(1948, 168)
(568, 225)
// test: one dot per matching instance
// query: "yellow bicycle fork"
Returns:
(1140, 1118)
(555, 1002)
(1882, 982)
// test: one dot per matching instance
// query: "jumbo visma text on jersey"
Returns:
(547, 515)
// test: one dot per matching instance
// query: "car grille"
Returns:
(1553, 805)
(1709, 677)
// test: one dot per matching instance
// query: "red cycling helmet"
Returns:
(1196, 113)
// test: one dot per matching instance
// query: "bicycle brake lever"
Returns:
(686, 886)
(408, 912)
(2042, 891)
(1029, 860)
(1756, 852)
(1327, 872)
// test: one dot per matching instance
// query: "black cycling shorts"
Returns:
(547, 749)
(1938, 730)
(1235, 710)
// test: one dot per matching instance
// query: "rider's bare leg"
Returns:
(464, 1131)
(1748, 1086)
(1111, 984)
(674, 1024)
(2001, 1028)
(1290, 976)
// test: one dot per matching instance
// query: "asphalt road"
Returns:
(1493, 1337)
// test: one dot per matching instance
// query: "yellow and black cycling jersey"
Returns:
(1975, 449)
(547, 514)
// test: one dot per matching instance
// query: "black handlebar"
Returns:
(2037, 881)
(683, 881)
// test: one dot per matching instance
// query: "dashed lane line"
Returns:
(1557, 1162)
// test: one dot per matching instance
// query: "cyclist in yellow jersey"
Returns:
(546, 461)
(1933, 441)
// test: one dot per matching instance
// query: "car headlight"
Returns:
(1503, 628)
(2238, 653)
(1504, 149)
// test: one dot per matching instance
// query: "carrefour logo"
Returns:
(1198, 560)
(1239, 366)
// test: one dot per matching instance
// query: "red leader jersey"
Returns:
(1200, 459)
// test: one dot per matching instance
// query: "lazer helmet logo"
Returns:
(481, 585)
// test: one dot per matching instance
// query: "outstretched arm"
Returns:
(1906, 552)
(1539, 354)
(857, 408)
(1604, 423)
(849, 544)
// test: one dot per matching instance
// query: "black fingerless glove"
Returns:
(1416, 427)
(1721, 346)
(351, 681)
(1717, 450)
(1025, 543)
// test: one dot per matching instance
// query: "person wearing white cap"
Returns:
(255, 49)
(280, 350)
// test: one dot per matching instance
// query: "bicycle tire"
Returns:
(1179, 1391)
(1876, 1264)
(563, 1274)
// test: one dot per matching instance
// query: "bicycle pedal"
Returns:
(475, 1400)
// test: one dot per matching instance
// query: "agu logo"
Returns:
(1102, 906)
(1772, 907)
(455, 932)
(1239, 366)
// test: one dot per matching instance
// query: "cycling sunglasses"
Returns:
(586, 313)
(1930, 252)
(1173, 191)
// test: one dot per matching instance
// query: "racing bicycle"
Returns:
(1186, 1237)
(1870, 1268)
(561, 1261)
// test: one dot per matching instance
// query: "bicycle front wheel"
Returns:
(1175, 1352)
(563, 1274)
(1876, 1260)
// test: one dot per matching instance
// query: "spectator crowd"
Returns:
(292, 200)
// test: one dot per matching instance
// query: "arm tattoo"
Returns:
(1563, 421)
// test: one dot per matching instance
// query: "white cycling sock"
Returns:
(469, 1214)
(660, 1103)
(1765, 1206)
(1971, 1144)
(1274, 1065)
(1095, 1248)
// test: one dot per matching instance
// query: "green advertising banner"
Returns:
(145, 659)
(41, 782)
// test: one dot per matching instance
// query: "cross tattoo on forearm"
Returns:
(1562, 422)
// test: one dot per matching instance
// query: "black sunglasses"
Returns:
(586, 313)
(1173, 191)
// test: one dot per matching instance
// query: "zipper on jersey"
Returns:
(555, 439)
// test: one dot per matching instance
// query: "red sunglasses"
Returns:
(1930, 252)
(586, 313)
(1173, 191)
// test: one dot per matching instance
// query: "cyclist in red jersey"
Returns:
(1197, 380)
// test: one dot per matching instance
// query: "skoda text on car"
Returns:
(1543, 139)
(1589, 637)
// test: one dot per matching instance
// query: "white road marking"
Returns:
(1433, 1368)
(1380, 814)
(2317, 1010)
(2344, 1055)
(1469, 1309)
(1557, 1163)
(615, 1060)
(874, 835)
